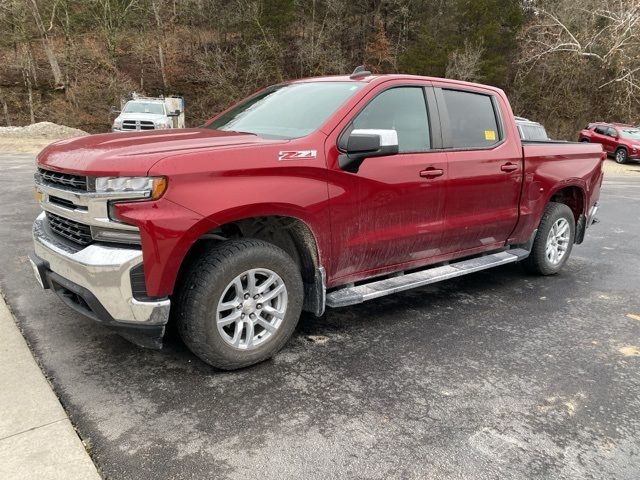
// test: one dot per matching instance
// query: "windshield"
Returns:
(287, 111)
(144, 107)
(631, 133)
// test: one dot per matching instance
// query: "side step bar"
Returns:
(362, 293)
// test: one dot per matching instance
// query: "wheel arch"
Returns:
(572, 195)
(289, 232)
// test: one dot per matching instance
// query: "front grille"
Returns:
(76, 232)
(138, 125)
(57, 179)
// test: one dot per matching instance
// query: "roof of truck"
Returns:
(378, 78)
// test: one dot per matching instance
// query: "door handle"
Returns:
(509, 167)
(431, 172)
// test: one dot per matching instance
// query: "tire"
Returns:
(211, 283)
(539, 261)
(621, 155)
(584, 140)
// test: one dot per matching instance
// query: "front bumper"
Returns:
(96, 281)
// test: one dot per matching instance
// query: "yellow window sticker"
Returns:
(490, 135)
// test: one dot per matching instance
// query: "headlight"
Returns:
(147, 187)
(161, 123)
(117, 123)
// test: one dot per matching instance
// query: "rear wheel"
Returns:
(554, 240)
(240, 303)
(621, 155)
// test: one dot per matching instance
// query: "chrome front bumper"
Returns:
(102, 274)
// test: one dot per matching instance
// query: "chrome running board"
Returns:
(379, 288)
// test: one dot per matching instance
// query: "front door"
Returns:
(390, 213)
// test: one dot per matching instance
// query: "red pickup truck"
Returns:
(319, 192)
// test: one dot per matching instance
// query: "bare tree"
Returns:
(465, 64)
(5, 109)
(156, 6)
(603, 32)
(46, 44)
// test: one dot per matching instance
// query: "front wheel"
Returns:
(239, 303)
(554, 240)
(621, 156)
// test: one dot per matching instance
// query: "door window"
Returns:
(612, 132)
(601, 130)
(472, 119)
(402, 109)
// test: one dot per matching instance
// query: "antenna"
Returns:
(360, 72)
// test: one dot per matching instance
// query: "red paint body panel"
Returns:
(551, 167)
(386, 217)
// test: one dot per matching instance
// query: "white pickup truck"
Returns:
(147, 113)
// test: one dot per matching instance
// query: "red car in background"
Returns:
(617, 139)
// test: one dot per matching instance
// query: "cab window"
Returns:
(402, 109)
(472, 118)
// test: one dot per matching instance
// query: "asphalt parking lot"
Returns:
(494, 375)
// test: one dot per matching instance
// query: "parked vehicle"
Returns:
(149, 113)
(320, 192)
(617, 139)
(530, 130)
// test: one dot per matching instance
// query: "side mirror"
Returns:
(175, 113)
(366, 143)
(114, 109)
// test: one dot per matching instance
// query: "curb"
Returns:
(37, 439)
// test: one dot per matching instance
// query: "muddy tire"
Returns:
(554, 241)
(239, 303)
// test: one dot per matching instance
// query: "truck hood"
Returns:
(141, 116)
(130, 153)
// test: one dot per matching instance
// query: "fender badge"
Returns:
(297, 155)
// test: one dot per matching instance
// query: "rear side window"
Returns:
(472, 119)
(601, 130)
(402, 109)
(534, 132)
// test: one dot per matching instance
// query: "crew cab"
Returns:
(617, 139)
(314, 193)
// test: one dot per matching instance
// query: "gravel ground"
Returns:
(493, 375)
(33, 138)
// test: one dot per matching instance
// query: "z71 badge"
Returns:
(297, 155)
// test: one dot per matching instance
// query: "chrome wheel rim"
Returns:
(252, 308)
(558, 241)
(620, 156)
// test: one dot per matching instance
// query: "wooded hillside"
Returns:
(562, 62)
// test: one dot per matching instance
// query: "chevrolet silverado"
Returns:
(319, 192)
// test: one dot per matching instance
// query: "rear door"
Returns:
(600, 136)
(484, 158)
(390, 212)
(611, 139)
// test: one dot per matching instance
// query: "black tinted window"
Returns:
(401, 109)
(472, 118)
(601, 130)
